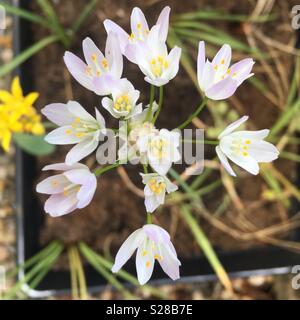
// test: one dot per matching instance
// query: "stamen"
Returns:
(148, 264)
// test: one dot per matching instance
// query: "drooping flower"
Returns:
(217, 79)
(140, 31)
(161, 149)
(155, 190)
(152, 243)
(245, 148)
(95, 73)
(17, 114)
(76, 126)
(124, 99)
(72, 189)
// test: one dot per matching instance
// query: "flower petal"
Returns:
(263, 151)
(201, 61)
(81, 150)
(78, 68)
(58, 204)
(169, 262)
(241, 70)
(151, 202)
(64, 167)
(62, 135)
(114, 55)
(58, 113)
(233, 126)
(86, 192)
(163, 22)
(138, 21)
(90, 50)
(127, 249)
(53, 184)
(77, 110)
(144, 263)
(111, 26)
(78, 176)
(225, 162)
(222, 59)
(222, 89)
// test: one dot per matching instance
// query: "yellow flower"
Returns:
(17, 113)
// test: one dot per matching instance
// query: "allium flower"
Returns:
(156, 63)
(76, 126)
(161, 149)
(72, 189)
(139, 31)
(152, 242)
(245, 148)
(98, 69)
(17, 114)
(155, 190)
(216, 79)
(123, 102)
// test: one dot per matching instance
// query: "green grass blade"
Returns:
(34, 18)
(84, 15)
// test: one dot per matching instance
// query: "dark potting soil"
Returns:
(115, 210)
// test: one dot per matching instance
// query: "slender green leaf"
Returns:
(25, 14)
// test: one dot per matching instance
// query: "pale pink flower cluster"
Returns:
(75, 184)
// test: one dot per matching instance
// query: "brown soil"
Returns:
(115, 211)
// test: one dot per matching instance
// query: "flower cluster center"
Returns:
(240, 147)
(158, 65)
(123, 104)
(157, 187)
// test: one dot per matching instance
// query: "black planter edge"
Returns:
(239, 259)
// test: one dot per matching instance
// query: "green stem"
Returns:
(206, 247)
(210, 142)
(149, 218)
(160, 103)
(101, 170)
(122, 274)
(193, 115)
(152, 93)
(107, 275)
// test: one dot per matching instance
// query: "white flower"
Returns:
(123, 102)
(152, 243)
(216, 79)
(95, 73)
(72, 189)
(139, 128)
(245, 148)
(76, 126)
(161, 149)
(155, 190)
(156, 63)
(139, 31)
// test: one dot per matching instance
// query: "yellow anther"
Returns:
(222, 61)
(216, 67)
(228, 71)
(248, 141)
(156, 256)
(94, 57)
(77, 120)
(98, 73)
(105, 63)
(131, 37)
(234, 74)
(80, 134)
(68, 131)
(66, 192)
(139, 26)
(148, 264)
(245, 154)
(144, 253)
(245, 148)
(123, 103)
